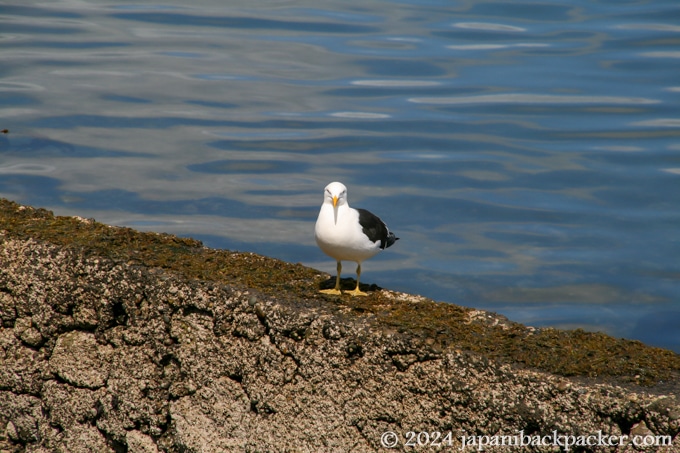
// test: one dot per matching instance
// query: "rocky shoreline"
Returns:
(113, 340)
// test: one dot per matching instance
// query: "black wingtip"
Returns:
(391, 239)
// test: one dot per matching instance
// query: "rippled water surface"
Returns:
(527, 154)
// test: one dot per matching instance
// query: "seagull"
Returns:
(348, 234)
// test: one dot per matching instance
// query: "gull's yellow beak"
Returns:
(335, 201)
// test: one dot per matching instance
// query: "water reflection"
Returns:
(522, 98)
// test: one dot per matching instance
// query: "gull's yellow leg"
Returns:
(335, 291)
(356, 291)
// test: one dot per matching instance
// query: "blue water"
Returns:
(526, 153)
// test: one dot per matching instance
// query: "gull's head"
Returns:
(335, 193)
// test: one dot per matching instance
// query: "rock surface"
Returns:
(103, 354)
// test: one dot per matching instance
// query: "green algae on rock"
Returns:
(441, 325)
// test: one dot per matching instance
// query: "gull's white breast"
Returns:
(343, 238)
